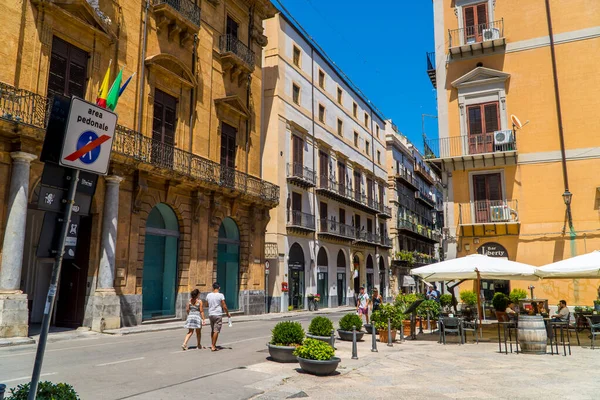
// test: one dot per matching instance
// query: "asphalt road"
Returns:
(151, 365)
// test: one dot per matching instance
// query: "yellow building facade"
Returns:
(183, 204)
(518, 104)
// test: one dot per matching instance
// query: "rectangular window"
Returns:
(342, 215)
(370, 190)
(367, 145)
(297, 55)
(232, 27)
(378, 157)
(323, 213)
(482, 121)
(339, 95)
(377, 130)
(475, 21)
(357, 184)
(297, 154)
(321, 79)
(369, 225)
(68, 66)
(296, 93)
(296, 209)
(487, 192)
(323, 169)
(164, 120)
(355, 139)
(228, 147)
(355, 110)
(342, 177)
(381, 194)
(366, 120)
(340, 127)
(321, 113)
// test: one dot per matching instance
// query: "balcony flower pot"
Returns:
(319, 367)
(330, 340)
(282, 354)
(347, 335)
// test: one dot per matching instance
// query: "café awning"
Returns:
(580, 267)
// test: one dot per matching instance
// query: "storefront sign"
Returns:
(493, 250)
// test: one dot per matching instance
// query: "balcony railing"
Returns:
(431, 68)
(470, 145)
(367, 237)
(186, 8)
(470, 35)
(385, 241)
(231, 44)
(24, 107)
(298, 219)
(347, 193)
(385, 210)
(425, 198)
(407, 177)
(419, 229)
(332, 227)
(488, 212)
(423, 172)
(300, 172)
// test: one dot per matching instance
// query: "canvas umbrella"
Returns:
(476, 267)
(580, 267)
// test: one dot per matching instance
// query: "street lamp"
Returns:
(567, 196)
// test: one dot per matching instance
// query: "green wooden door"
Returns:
(228, 262)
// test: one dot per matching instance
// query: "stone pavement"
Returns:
(58, 334)
(427, 370)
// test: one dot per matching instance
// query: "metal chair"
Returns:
(594, 323)
(572, 326)
(470, 326)
(450, 325)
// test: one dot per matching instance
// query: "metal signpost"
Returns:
(87, 145)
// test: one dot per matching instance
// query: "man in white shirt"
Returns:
(216, 306)
(362, 304)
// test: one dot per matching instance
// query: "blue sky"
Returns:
(381, 46)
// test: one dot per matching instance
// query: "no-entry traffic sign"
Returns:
(88, 137)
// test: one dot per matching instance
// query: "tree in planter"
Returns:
(500, 303)
(45, 391)
(320, 326)
(469, 299)
(348, 321)
(287, 333)
(429, 308)
(446, 302)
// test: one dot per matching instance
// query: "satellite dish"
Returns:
(516, 122)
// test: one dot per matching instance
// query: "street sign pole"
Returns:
(51, 299)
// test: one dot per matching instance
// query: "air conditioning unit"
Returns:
(499, 213)
(491, 34)
(503, 137)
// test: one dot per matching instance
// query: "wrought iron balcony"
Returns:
(425, 198)
(422, 230)
(300, 221)
(384, 211)
(407, 177)
(30, 109)
(345, 194)
(333, 228)
(499, 147)
(366, 237)
(423, 172)
(481, 37)
(488, 211)
(301, 175)
(179, 17)
(385, 241)
(236, 52)
(431, 68)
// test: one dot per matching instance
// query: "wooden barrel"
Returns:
(532, 334)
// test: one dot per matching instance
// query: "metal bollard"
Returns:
(354, 350)
(2, 390)
(333, 339)
(389, 333)
(373, 339)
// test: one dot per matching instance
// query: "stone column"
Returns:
(107, 305)
(13, 303)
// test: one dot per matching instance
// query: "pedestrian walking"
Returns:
(216, 307)
(195, 319)
(362, 304)
(377, 300)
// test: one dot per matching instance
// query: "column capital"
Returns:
(113, 179)
(21, 156)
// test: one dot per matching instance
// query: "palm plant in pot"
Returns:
(317, 357)
(286, 336)
(321, 328)
(346, 323)
(469, 299)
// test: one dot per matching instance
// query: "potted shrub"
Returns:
(431, 309)
(597, 305)
(45, 390)
(379, 319)
(469, 299)
(446, 302)
(321, 328)
(316, 357)
(346, 324)
(500, 302)
(286, 336)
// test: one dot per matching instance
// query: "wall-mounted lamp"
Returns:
(567, 197)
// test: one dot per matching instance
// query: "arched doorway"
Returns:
(159, 280)
(228, 262)
(341, 278)
(296, 276)
(322, 277)
(382, 277)
(370, 273)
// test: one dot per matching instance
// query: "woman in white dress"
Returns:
(195, 319)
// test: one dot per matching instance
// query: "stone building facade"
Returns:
(183, 204)
(325, 146)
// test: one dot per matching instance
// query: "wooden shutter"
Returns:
(492, 123)
(342, 215)
(296, 201)
(370, 189)
(228, 146)
(475, 21)
(298, 152)
(323, 210)
(369, 225)
(474, 125)
(487, 187)
(68, 69)
(342, 175)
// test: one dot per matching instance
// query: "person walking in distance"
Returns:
(362, 304)
(216, 307)
(195, 319)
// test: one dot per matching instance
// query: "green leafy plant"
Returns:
(517, 294)
(597, 302)
(45, 391)
(320, 326)
(406, 256)
(446, 300)
(287, 333)
(380, 317)
(313, 349)
(500, 302)
(350, 320)
(290, 308)
(468, 297)
(403, 301)
(429, 307)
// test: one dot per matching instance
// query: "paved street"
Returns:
(150, 365)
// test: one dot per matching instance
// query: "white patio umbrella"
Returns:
(580, 267)
(476, 267)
